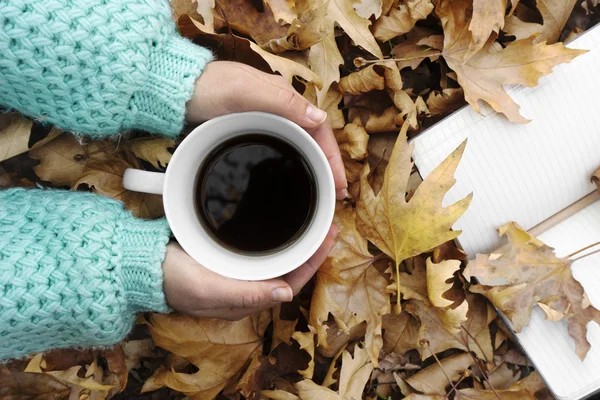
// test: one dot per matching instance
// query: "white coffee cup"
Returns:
(178, 183)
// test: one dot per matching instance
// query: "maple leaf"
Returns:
(243, 17)
(286, 67)
(434, 379)
(445, 101)
(488, 17)
(353, 378)
(404, 229)
(343, 13)
(366, 8)
(282, 329)
(484, 74)
(70, 377)
(15, 135)
(62, 160)
(434, 336)
(529, 273)
(413, 51)
(154, 150)
(349, 287)
(386, 122)
(283, 10)
(365, 80)
(106, 178)
(309, 28)
(16, 385)
(401, 19)
(513, 26)
(502, 377)
(324, 59)
(286, 362)
(218, 348)
(352, 140)
(555, 14)
(306, 340)
(400, 333)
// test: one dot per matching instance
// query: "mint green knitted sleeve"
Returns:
(75, 268)
(97, 67)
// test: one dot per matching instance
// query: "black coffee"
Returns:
(255, 194)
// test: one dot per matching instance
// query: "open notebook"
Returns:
(528, 174)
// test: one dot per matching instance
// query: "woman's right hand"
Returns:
(194, 290)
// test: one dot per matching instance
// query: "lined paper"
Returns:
(523, 173)
(548, 343)
(527, 173)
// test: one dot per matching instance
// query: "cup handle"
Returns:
(143, 181)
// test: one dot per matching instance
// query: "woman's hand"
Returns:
(194, 290)
(224, 88)
(228, 87)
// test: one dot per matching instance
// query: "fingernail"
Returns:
(281, 295)
(315, 114)
(341, 193)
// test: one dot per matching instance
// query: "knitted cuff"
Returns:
(143, 247)
(173, 67)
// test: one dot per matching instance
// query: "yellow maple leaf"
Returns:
(404, 229)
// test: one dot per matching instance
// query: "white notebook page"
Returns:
(548, 343)
(523, 173)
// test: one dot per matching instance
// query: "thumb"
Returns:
(279, 97)
(259, 294)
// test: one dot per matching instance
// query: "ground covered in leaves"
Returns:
(392, 313)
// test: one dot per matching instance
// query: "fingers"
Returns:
(300, 276)
(226, 87)
(252, 295)
(323, 135)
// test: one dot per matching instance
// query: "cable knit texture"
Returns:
(74, 269)
(97, 67)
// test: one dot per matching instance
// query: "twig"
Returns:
(426, 344)
(583, 249)
(585, 255)
(454, 386)
(472, 338)
(485, 377)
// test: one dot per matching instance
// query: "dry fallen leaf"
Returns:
(401, 18)
(155, 151)
(349, 287)
(488, 18)
(434, 379)
(343, 13)
(218, 348)
(483, 75)
(353, 377)
(400, 333)
(283, 10)
(404, 229)
(15, 135)
(529, 273)
(555, 14)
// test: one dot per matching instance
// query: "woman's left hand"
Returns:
(227, 87)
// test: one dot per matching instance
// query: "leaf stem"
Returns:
(583, 249)
(398, 301)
